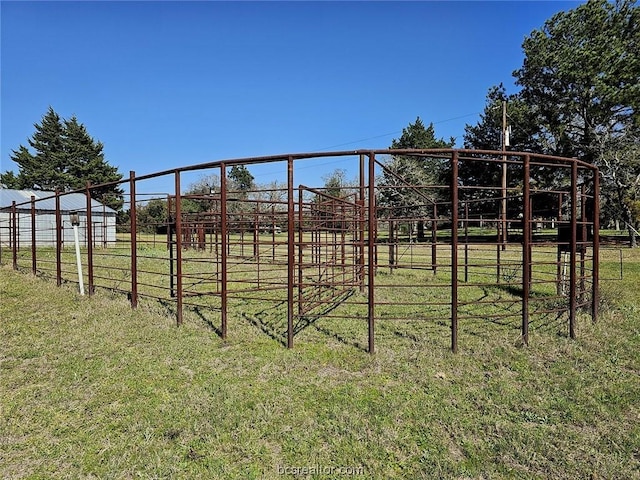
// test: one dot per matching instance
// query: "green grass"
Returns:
(92, 389)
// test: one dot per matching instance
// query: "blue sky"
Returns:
(168, 84)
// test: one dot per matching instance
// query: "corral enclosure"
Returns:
(516, 250)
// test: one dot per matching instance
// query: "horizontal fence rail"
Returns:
(385, 250)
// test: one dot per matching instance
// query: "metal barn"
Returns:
(42, 205)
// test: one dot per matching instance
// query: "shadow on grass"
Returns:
(272, 321)
(207, 321)
(269, 322)
(171, 310)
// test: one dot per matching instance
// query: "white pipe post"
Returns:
(78, 259)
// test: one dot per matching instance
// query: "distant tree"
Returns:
(241, 179)
(620, 161)
(524, 135)
(65, 158)
(416, 135)
(405, 176)
(329, 206)
(335, 183)
(152, 216)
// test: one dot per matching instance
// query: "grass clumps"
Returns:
(90, 388)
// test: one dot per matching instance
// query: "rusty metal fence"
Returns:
(381, 250)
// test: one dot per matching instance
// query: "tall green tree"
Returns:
(524, 135)
(581, 75)
(416, 135)
(620, 167)
(241, 179)
(86, 163)
(405, 177)
(581, 80)
(65, 157)
(45, 169)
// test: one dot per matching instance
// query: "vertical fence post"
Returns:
(223, 249)
(526, 246)
(89, 237)
(498, 248)
(134, 239)
(454, 252)
(300, 249)
(466, 242)
(371, 210)
(14, 234)
(583, 239)
(361, 220)
(434, 239)
(595, 274)
(290, 252)
(34, 264)
(178, 209)
(59, 240)
(170, 232)
(574, 235)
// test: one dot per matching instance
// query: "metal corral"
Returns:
(292, 255)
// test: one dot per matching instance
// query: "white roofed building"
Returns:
(103, 218)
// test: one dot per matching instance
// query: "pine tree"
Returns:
(66, 158)
(406, 175)
(86, 163)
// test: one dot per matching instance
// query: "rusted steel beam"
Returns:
(290, 252)
(526, 247)
(224, 252)
(301, 244)
(59, 240)
(14, 234)
(34, 268)
(595, 288)
(89, 237)
(454, 252)
(434, 239)
(572, 261)
(371, 271)
(179, 280)
(134, 239)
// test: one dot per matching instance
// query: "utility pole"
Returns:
(504, 175)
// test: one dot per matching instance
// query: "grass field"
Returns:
(92, 389)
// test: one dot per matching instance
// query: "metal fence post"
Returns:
(434, 239)
(89, 237)
(574, 239)
(33, 235)
(454, 252)
(14, 234)
(595, 288)
(224, 249)
(300, 249)
(134, 239)
(371, 252)
(59, 240)
(178, 208)
(526, 245)
(290, 252)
